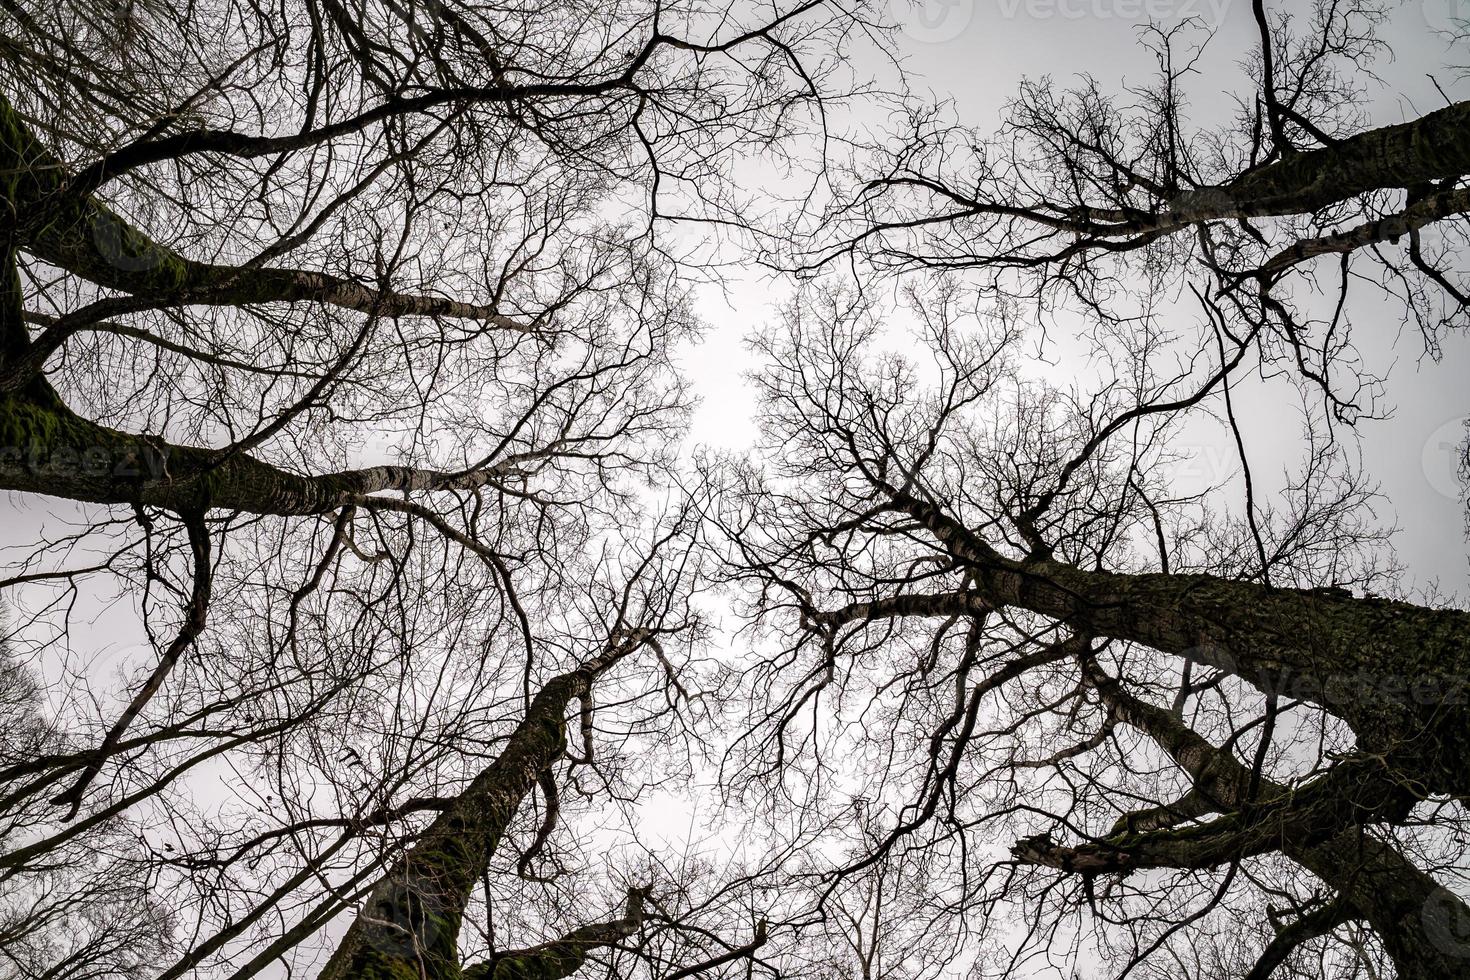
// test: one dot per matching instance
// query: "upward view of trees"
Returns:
(352, 327)
(369, 616)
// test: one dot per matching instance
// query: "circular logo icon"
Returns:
(933, 21)
(413, 918)
(121, 247)
(1444, 459)
(1447, 15)
(1447, 923)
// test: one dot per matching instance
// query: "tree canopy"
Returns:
(369, 614)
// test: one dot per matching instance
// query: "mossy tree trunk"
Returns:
(46, 448)
(1433, 147)
(1418, 921)
(1397, 673)
(408, 926)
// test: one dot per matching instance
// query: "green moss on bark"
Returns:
(50, 450)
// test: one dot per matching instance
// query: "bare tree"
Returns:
(1180, 707)
(336, 339)
(365, 621)
(410, 919)
(1109, 203)
(993, 611)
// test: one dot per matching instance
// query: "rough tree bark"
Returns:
(1433, 147)
(1413, 915)
(409, 924)
(46, 448)
(1394, 671)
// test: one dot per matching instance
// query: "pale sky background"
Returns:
(975, 53)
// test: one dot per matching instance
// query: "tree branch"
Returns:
(563, 957)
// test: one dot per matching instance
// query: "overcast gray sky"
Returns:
(975, 52)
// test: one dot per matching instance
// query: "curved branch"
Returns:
(1373, 879)
(563, 957)
(195, 615)
(49, 450)
(1316, 923)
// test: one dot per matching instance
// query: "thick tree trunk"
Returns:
(1433, 147)
(1397, 673)
(47, 449)
(1421, 924)
(409, 925)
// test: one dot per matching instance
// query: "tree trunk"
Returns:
(1422, 925)
(1433, 147)
(1395, 672)
(408, 927)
